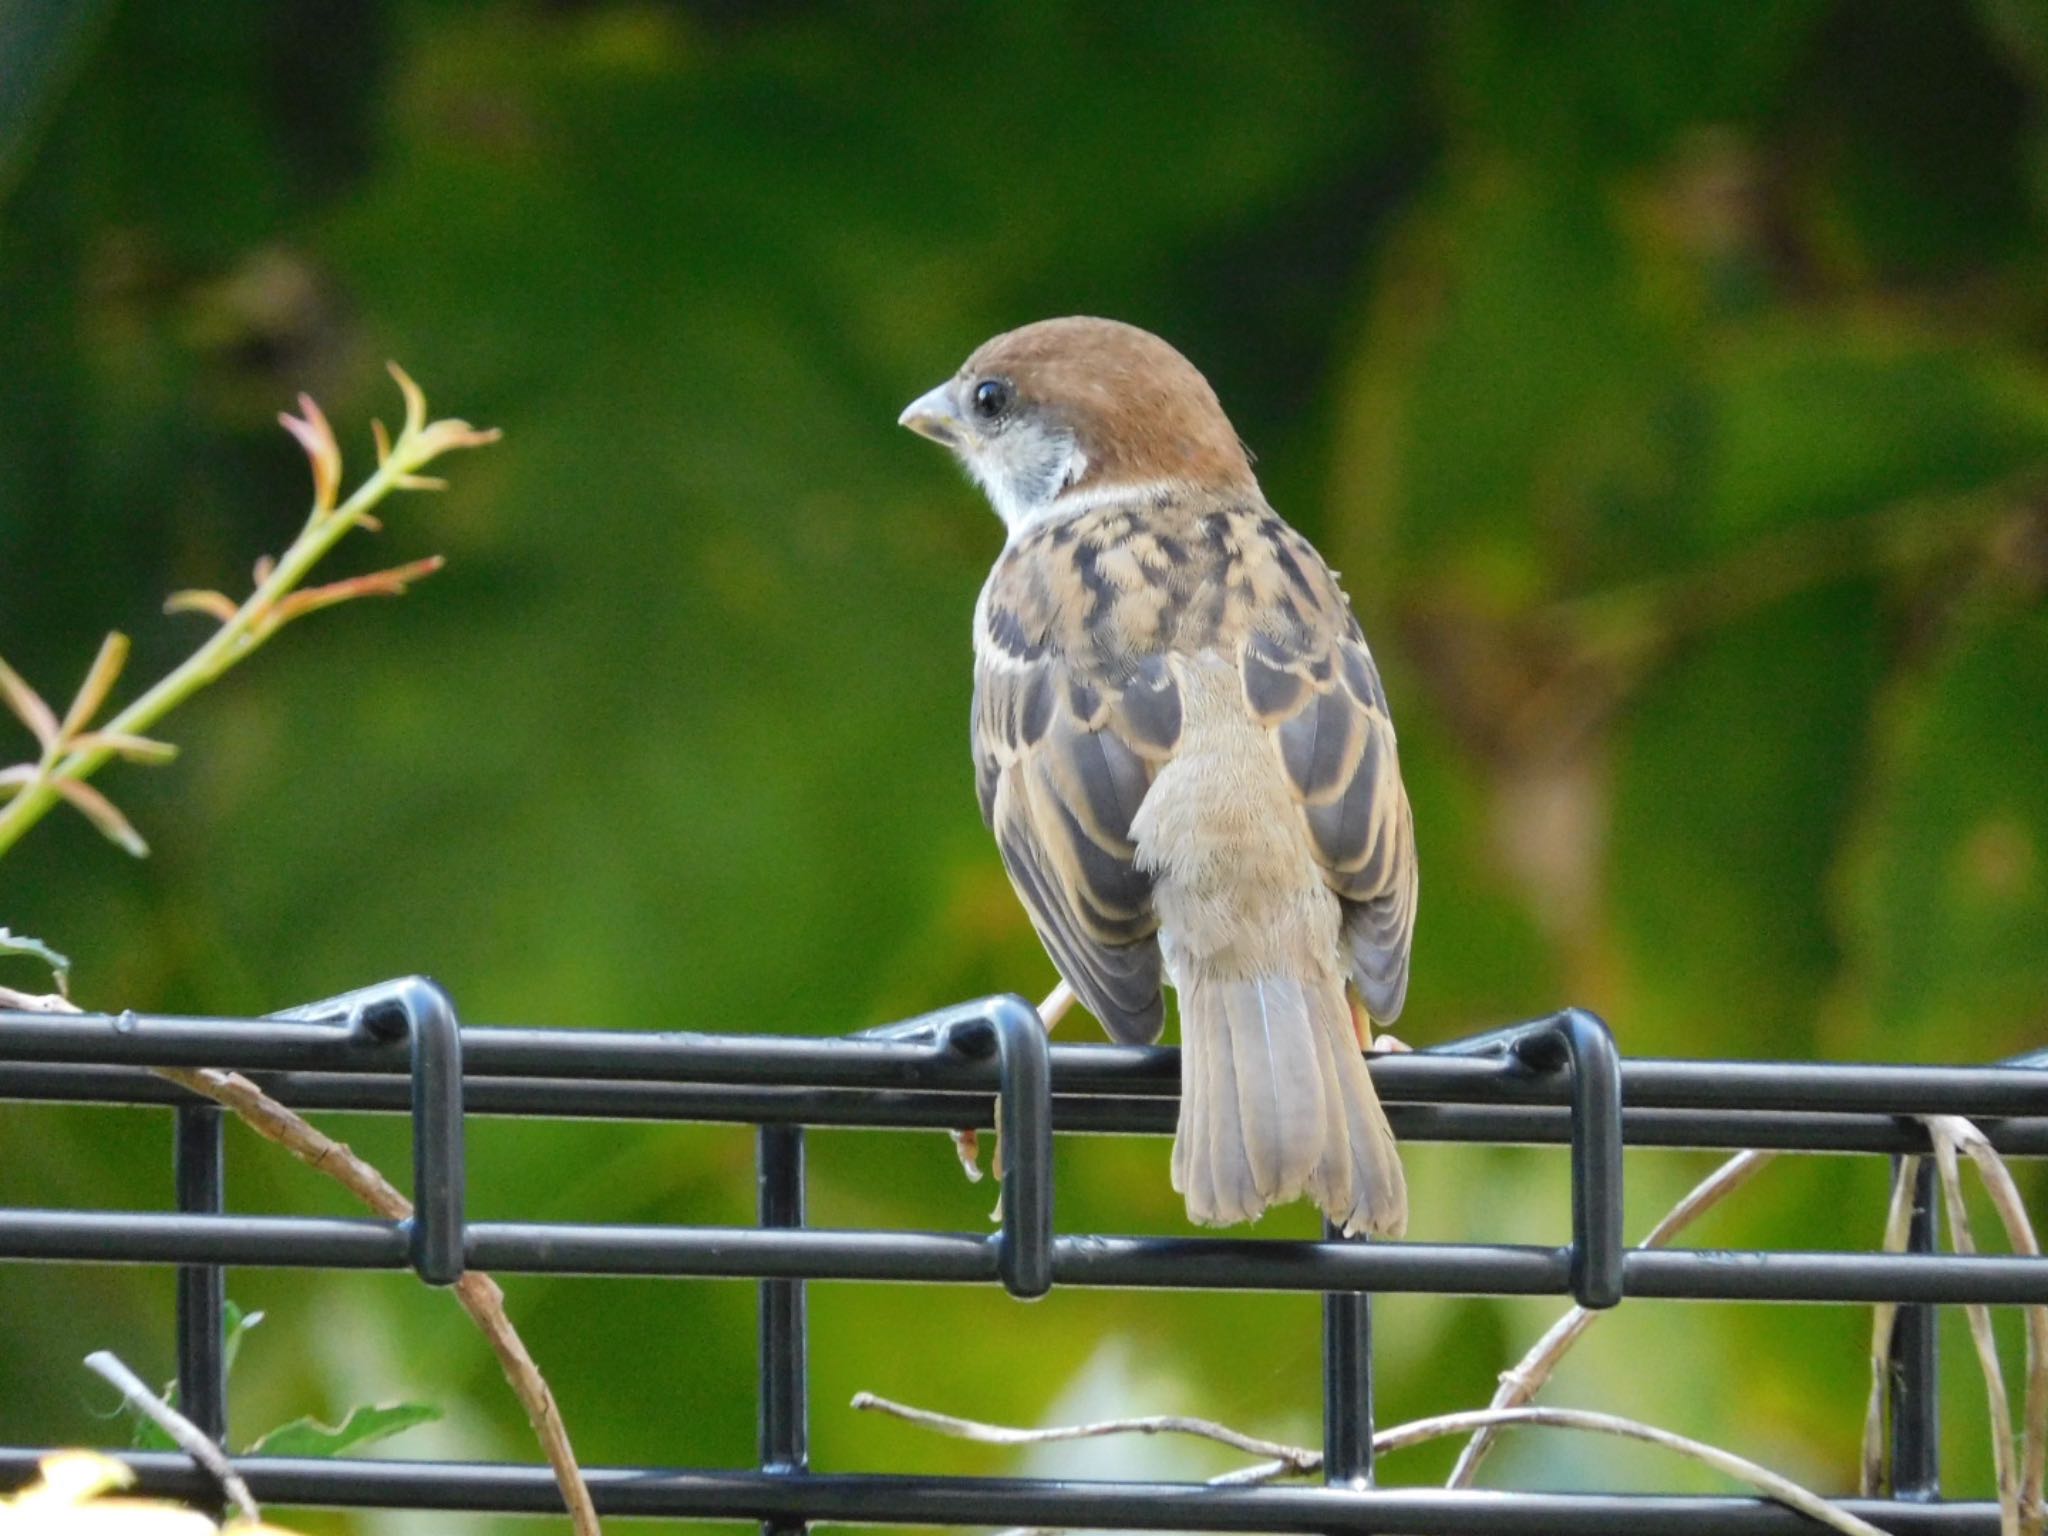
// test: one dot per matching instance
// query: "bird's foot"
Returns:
(967, 1147)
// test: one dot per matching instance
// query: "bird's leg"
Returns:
(967, 1147)
(1361, 1024)
(1055, 1006)
(967, 1143)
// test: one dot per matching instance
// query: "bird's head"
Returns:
(1066, 413)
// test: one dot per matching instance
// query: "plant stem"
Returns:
(234, 640)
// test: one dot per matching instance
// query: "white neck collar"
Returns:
(1082, 499)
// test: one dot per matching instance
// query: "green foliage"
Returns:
(362, 1426)
(1668, 381)
(36, 949)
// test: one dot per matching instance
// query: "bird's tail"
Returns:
(1276, 1103)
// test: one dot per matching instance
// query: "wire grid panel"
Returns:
(398, 1048)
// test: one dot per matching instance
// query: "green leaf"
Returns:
(235, 1324)
(364, 1425)
(22, 944)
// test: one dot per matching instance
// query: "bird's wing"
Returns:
(1065, 747)
(1309, 679)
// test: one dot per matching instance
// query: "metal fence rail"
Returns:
(398, 1049)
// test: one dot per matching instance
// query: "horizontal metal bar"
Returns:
(654, 1492)
(254, 1242)
(1444, 1076)
(780, 1060)
(1526, 1124)
(1170, 1263)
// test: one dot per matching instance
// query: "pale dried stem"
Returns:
(2019, 1232)
(186, 1435)
(1884, 1321)
(1296, 1458)
(478, 1293)
(1771, 1484)
(1287, 1459)
(1978, 1316)
(1534, 1370)
(2019, 1458)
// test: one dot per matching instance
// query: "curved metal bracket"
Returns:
(1011, 1028)
(418, 1012)
(1579, 1041)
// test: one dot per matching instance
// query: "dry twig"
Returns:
(190, 1438)
(1294, 1457)
(1979, 1318)
(2019, 1231)
(1884, 1322)
(477, 1292)
(1771, 1484)
(1286, 1459)
(1529, 1375)
(2019, 1469)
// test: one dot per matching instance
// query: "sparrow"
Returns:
(1181, 744)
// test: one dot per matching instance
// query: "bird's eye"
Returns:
(991, 399)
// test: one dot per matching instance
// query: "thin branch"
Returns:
(1771, 1484)
(478, 1294)
(243, 628)
(189, 1437)
(1291, 1459)
(1534, 1369)
(1295, 1457)
(1884, 1322)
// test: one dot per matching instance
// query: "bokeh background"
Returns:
(1669, 381)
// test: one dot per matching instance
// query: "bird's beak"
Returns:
(932, 415)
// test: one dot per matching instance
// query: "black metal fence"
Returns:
(398, 1048)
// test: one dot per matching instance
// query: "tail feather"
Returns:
(1379, 1192)
(1277, 1103)
(1279, 1086)
(1212, 1168)
(1332, 1183)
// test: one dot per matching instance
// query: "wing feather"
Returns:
(1319, 695)
(1062, 772)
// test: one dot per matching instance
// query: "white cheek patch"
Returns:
(1030, 475)
(1024, 470)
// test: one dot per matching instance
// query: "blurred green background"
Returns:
(1669, 381)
